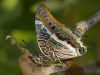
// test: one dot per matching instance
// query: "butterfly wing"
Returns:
(52, 36)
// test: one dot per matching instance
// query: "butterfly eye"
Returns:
(81, 50)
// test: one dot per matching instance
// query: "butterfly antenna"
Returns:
(91, 46)
(83, 37)
(28, 45)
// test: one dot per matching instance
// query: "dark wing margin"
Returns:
(47, 18)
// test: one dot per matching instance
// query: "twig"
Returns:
(83, 26)
(92, 67)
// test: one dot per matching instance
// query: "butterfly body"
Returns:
(54, 39)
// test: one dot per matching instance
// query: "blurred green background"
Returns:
(17, 19)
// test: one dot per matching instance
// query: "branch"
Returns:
(92, 67)
(83, 26)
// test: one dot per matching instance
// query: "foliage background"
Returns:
(17, 19)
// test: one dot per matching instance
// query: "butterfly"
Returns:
(56, 42)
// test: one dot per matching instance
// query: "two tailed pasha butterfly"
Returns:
(55, 41)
